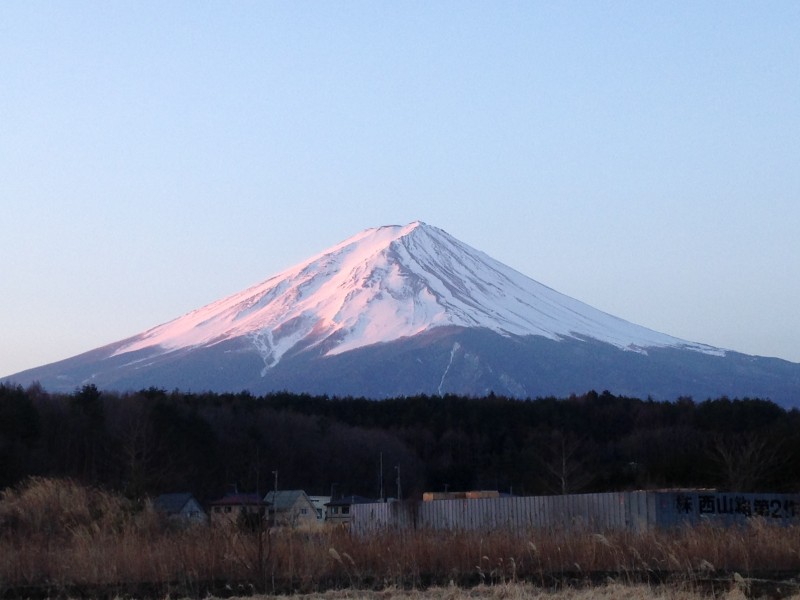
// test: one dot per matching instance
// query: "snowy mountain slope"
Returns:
(388, 283)
(406, 310)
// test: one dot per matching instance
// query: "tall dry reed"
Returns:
(59, 534)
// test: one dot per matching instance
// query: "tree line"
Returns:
(155, 441)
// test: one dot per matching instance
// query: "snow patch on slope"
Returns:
(456, 347)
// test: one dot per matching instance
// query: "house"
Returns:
(338, 511)
(238, 509)
(182, 507)
(291, 507)
(319, 503)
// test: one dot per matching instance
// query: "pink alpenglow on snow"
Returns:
(391, 282)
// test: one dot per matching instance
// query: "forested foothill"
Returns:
(155, 441)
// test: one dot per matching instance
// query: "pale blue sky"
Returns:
(643, 157)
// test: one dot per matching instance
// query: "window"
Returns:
(227, 509)
(345, 510)
(303, 511)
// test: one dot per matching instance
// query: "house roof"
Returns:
(285, 499)
(239, 500)
(172, 503)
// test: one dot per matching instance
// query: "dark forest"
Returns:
(155, 441)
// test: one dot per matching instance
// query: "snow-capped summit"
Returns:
(388, 283)
(403, 310)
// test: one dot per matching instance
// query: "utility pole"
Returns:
(381, 476)
(399, 489)
(258, 473)
(274, 497)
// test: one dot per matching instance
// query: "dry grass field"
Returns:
(58, 538)
(529, 592)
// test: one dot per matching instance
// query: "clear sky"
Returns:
(643, 157)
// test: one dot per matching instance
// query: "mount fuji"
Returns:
(405, 310)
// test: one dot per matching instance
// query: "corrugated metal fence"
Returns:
(636, 511)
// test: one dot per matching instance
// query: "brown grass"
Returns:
(523, 591)
(66, 538)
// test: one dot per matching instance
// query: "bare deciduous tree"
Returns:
(562, 461)
(745, 461)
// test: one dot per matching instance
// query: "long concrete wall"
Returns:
(635, 511)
